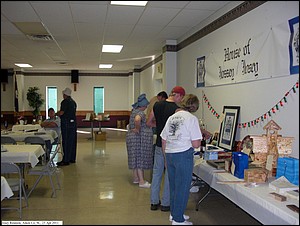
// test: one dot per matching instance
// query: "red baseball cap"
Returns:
(178, 89)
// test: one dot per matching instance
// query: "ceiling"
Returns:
(78, 29)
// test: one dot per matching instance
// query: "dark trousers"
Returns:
(69, 140)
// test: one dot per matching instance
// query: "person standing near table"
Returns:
(139, 140)
(180, 136)
(67, 115)
(160, 96)
(157, 118)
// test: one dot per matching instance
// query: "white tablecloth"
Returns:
(26, 127)
(22, 153)
(254, 200)
(6, 191)
(20, 136)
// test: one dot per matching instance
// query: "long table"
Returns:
(22, 153)
(19, 136)
(26, 127)
(92, 124)
(254, 200)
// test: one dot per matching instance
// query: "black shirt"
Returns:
(68, 106)
(162, 111)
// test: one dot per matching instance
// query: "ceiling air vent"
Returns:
(40, 37)
(62, 63)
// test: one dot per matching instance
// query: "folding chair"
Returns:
(8, 140)
(49, 169)
(57, 141)
(16, 183)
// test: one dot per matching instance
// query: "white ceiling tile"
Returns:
(171, 32)
(145, 32)
(8, 28)
(18, 11)
(190, 17)
(88, 13)
(123, 14)
(79, 28)
(158, 16)
(206, 5)
(56, 12)
(168, 4)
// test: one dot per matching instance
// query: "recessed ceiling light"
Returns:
(105, 65)
(23, 65)
(135, 3)
(112, 48)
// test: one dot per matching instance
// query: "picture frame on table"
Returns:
(228, 127)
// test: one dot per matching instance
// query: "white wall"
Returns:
(116, 91)
(150, 82)
(256, 97)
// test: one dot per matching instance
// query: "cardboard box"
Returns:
(256, 175)
(100, 136)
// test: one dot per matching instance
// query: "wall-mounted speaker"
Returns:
(74, 76)
(4, 76)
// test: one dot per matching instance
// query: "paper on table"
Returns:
(281, 185)
(293, 194)
(232, 168)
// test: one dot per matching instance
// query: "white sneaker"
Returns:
(186, 217)
(182, 223)
(145, 185)
(194, 189)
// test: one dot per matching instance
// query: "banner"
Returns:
(259, 56)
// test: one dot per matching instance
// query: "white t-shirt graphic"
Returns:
(181, 128)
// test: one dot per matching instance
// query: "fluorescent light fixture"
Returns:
(23, 65)
(135, 3)
(112, 48)
(105, 65)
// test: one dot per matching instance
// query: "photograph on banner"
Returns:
(200, 71)
(294, 45)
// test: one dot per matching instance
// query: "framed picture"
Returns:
(200, 72)
(228, 127)
(294, 45)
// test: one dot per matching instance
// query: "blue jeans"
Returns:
(158, 170)
(180, 169)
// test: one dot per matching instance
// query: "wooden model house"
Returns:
(271, 144)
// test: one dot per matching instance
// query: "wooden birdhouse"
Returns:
(268, 147)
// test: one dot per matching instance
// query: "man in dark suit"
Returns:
(67, 115)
